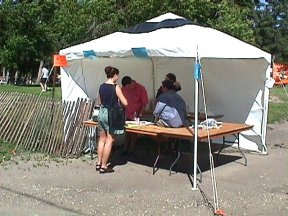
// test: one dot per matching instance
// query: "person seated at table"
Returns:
(170, 110)
(137, 98)
(171, 77)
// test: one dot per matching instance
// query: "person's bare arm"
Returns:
(120, 95)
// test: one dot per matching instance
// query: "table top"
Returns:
(90, 123)
(183, 132)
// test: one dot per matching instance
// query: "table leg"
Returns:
(157, 158)
(222, 147)
(241, 150)
(175, 161)
(91, 142)
(238, 146)
(200, 172)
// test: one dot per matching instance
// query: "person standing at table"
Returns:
(107, 134)
(137, 98)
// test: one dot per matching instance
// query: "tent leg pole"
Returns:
(195, 136)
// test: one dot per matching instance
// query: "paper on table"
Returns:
(146, 123)
(138, 123)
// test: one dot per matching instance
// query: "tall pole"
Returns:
(53, 82)
(197, 76)
(53, 93)
(195, 134)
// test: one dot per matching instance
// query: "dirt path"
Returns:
(43, 186)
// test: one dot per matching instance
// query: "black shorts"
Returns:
(43, 80)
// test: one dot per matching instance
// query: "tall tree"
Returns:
(233, 17)
(34, 29)
(26, 37)
(69, 24)
(272, 28)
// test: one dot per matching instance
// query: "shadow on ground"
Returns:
(146, 152)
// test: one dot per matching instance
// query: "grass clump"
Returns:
(278, 105)
(6, 151)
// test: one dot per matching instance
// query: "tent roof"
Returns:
(170, 36)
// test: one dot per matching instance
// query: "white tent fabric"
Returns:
(234, 72)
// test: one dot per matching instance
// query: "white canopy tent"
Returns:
(234, 72)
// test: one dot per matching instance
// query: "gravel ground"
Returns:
(40, 185)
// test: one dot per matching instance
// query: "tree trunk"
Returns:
(16, 77)
(4, 73)
(40, 71)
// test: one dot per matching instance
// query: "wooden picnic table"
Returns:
(157, 132)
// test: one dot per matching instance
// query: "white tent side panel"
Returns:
(82, 78)
(70, 78)
(183, 69)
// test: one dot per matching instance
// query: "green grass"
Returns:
(31, 89)
(6, 151)
(278, 106)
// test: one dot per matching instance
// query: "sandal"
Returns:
(106, 170)
(98, 166)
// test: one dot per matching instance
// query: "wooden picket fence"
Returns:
(44, 125)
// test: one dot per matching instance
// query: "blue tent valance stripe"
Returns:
(140, 52)
(89, 54)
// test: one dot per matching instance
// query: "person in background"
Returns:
(137, 98)
(8, 77)
(44, 78)
(170, 110)
(107, 134)
(171, 77)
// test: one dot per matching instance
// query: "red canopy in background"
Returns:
(280, 74)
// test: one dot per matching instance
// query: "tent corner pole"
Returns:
(195, 134)
(153, 74)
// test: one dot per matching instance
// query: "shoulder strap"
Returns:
(156, 118)
(162, 110)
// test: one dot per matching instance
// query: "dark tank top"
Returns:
(106, 92)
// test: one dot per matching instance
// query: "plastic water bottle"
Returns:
(136, 118)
